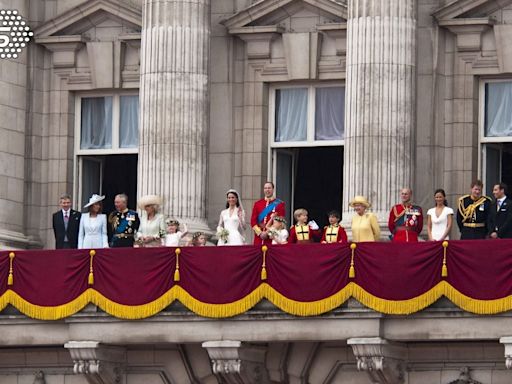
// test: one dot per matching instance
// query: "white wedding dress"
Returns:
(234, 226)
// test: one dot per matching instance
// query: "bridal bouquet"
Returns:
(272, 233)
(223, 234)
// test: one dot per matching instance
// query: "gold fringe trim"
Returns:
(298, 308)
(399, 307)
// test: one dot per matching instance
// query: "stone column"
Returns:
(13, 109)
(380, 94)
(174, 107)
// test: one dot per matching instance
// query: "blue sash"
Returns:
(123, 223)
(268, 209)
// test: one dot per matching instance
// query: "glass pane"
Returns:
(498, 109)
(330, 113)
(129, 122)
(91, 178)
(284, 179)
(96, 124)
(291, 114)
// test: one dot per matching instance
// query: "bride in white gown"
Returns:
(232, 221)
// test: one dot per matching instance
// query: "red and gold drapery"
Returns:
(302, 280)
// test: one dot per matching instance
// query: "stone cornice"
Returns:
(469, 31)
(266, 7)
(116, 8)
(458, 8)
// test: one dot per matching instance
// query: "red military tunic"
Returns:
(302, 234)
(405, 222)
(334, 234)
(258, 227)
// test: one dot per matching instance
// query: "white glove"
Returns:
(314, 226)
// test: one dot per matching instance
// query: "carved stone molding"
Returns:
(468, 31)
(382, 360)
(236, 362)
(507, 342)
(64, 48)
(99, 363)
(464, 378)
(258, 39)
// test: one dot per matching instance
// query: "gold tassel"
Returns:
(444, 270)
(264, 249)
(352, 270)
(177, 270)
(92, 253)
(10, 278)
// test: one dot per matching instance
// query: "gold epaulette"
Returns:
(463, 197)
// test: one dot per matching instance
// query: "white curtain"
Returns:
(498, 116)
(291, 114)
(330, 111)
(96, 128)
(129, 122)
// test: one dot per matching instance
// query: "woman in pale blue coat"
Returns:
(93, 225)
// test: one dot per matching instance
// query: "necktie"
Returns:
(66, 220)
(498, 205)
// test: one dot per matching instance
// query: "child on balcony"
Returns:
(303, 232)
(174, 235)
(334, 232)
(277, 231)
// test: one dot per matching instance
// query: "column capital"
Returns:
(382, 360)
(99, 363)
(237, 362)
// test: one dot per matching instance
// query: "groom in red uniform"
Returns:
(405, 220)
(263, 211)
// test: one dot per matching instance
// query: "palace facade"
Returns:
(188, 98)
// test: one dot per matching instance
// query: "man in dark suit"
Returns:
(500, 218)
(66, 223)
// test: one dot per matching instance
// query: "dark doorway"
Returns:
(119, 176)
(506, 166)
(318, 181)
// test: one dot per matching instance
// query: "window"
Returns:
(306, 139)
(106, 139)
(303, 116)
(496, 132)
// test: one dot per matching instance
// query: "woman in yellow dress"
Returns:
(365, 226)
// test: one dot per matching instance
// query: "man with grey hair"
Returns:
(123, 223)
(405, 219)
(66, 223)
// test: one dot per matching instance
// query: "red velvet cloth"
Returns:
(480, 269)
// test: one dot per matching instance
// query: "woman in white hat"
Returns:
(152, 224)
(93, 225)
(365, 226)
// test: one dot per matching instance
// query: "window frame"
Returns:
(484, 141)
(116, 107)
(79, 153)
(481, 118)
(310, 132)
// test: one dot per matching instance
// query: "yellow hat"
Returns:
(359, 200)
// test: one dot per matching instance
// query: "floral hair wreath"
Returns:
(280, 219)
(172, 222)
(197, 234)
